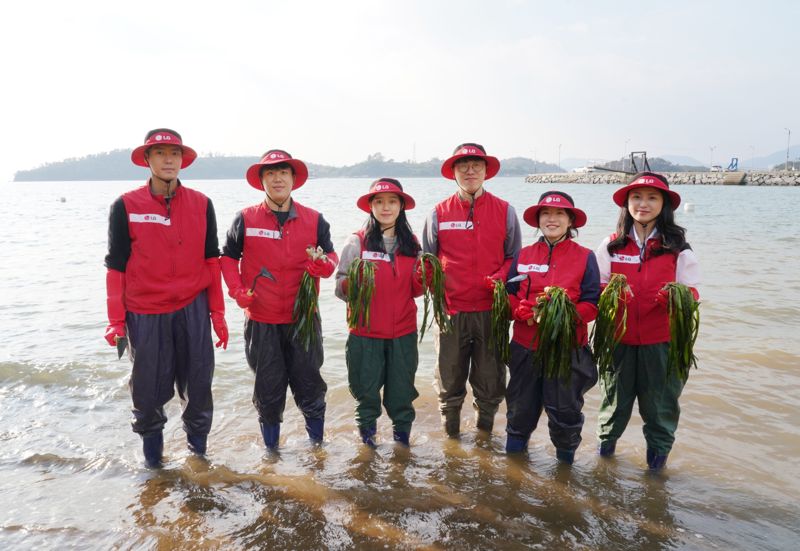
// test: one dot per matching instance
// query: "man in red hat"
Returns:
(163, 284)
(475, 235)
(275, 235)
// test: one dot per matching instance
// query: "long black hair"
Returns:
(673, 236)
(407, 244)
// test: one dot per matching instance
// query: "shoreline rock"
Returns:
(751, 178)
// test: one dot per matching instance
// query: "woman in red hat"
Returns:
(554, 260)
(383, 354)
(274, 235)
(163, 285)
(650, 249)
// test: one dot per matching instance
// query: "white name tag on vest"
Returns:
(455, 226)
(375, 255)
(625, 259)
(149, 219)
(262, 232)
(535, 268)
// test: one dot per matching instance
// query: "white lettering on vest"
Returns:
(150, 219)
(375, 255)
(535, 268)
(625, 259)
(466, 225)
(262, 232)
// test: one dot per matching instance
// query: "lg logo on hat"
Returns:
(160, 137)
(469, 151)
(380, 187)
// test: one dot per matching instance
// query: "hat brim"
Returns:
(138, 157)
(363, 201)
(299, 167)
(492, 166)
(531, 215)
(621, 195)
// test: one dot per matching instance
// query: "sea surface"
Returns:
(71, 470)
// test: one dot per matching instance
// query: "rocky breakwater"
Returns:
(752, 178)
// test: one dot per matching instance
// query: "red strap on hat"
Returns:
(165, 138)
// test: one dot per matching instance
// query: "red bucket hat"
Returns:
(163, 136)
(647, 179)
(470, 150)
(273, 157)
(558, 200)
(385, 185)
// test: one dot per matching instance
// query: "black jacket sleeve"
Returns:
(119, 238)
(212, 241)
(234, 239)
(324, 235)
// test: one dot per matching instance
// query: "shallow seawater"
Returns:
(71, 471)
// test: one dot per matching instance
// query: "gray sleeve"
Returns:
(350, 251)
(430, 234)
(513, 242)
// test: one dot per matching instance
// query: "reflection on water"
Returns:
(71, 473)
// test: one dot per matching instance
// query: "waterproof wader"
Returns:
(466, 354)
(529, 392)
(640, 373)
(279, 360)
(171, 351)
(390, 364)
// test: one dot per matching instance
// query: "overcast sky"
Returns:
(334, 81)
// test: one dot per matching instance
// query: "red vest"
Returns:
(283, 253)
(472, 249)
(392, 312)
(565, 268)
(648, 321)
(166, 269)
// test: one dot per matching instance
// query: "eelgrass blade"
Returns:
(556, 334)
(434, 299)
(501, 321)
(611, 324)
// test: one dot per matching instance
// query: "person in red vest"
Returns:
(650, 249)
(274, 234)
(554, 260)
(475, 235)
(383, 353)
(163, 284)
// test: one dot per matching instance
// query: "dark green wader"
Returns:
(390, 364)
(640, 373)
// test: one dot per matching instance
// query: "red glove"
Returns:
(490, 281)
(115, 293)
(523, 311)
(428, 274)
(695, 294)
(319, 268)
(244, 299)
(662, 297)
(230, 272)
(220, 328)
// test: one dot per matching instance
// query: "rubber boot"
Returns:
(451, 421)
(315, 429)
(607, 448)
(197, 443)
(656, 462)
(515, 444)
(153, 448)
(271, 434)
(565, 456)
(484, 421)
(368, 435)
(401, 437)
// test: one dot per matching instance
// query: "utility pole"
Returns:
(559, 156)
(625, 154)
(711, 161)
(788, 141)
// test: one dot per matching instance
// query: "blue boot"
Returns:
(607, 448)
(153, 448)
(656, 462)
(368, 435)
(271, 434)
(565, 456)
(401, 437)
(515, 444)
(197, 443)
(315, 429)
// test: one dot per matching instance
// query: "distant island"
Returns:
(116, 165)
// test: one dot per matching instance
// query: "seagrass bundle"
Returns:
(557, 317)
(304, 313)
(501, 321)
(684, 324)
(360, 289)
(610, 325)
(433, 297)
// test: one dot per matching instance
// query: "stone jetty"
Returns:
(750, 178)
